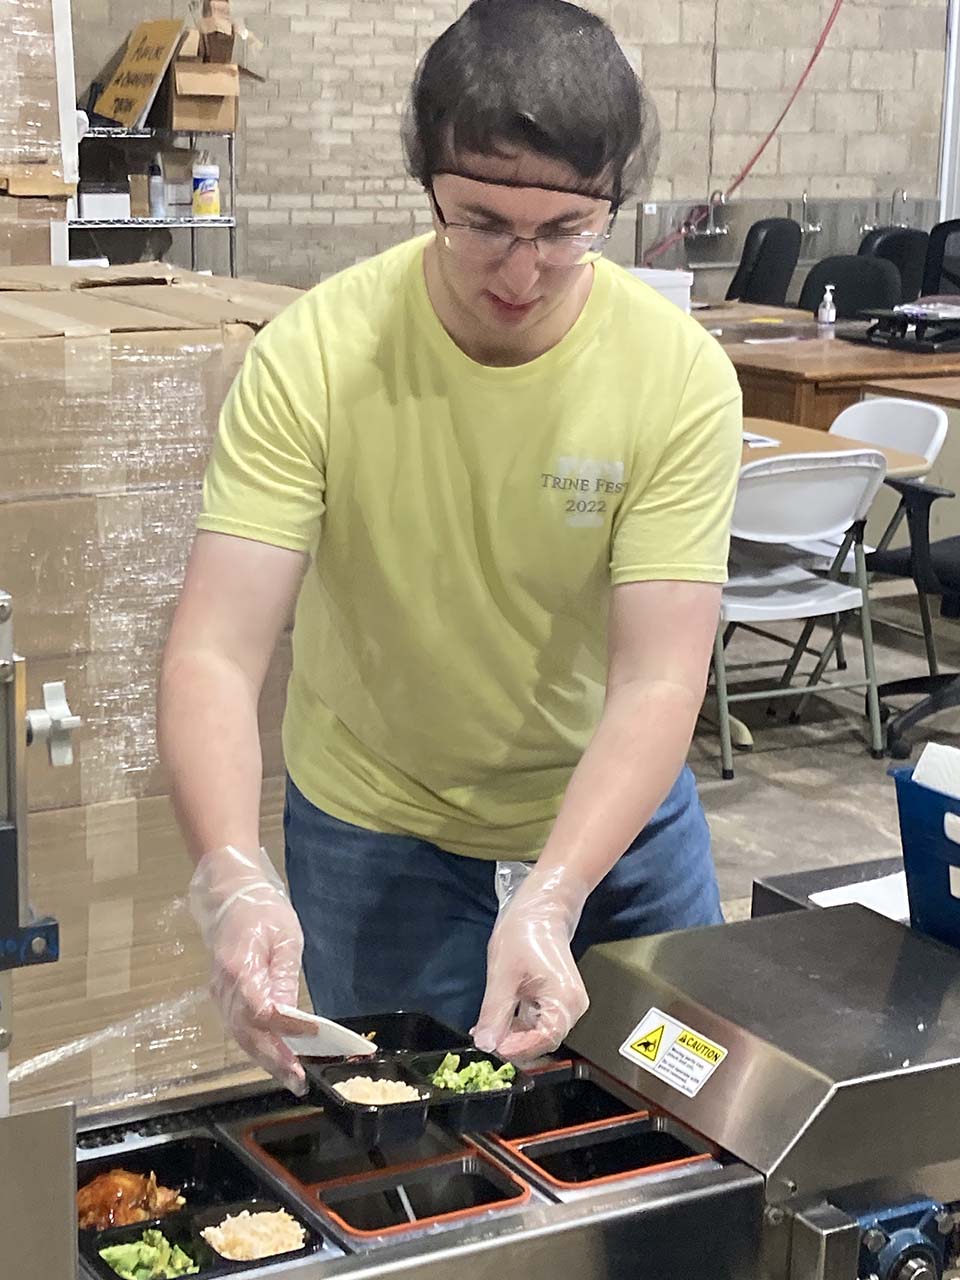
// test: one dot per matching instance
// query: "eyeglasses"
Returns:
(476, 244)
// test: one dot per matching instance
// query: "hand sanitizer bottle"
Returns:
(827, 313)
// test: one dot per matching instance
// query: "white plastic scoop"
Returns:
(322, 1038)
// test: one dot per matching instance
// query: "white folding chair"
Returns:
(886, 423)
(780, 502)
(911, 426)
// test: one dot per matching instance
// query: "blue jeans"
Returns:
(393, 922)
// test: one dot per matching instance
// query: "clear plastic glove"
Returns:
(255, 940)
(534, 992)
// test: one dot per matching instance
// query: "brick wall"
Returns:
(321, 172)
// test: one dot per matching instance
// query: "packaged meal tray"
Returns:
(463, 1089)
(219, 1241)
(141, 1213)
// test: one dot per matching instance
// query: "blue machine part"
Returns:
(893, 1236)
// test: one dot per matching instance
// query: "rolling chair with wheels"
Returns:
(780, 500)
(861, 284)
(941, 272)
(767, 263)
(935, 570)
(906, 248)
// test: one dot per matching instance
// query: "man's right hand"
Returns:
(256, 944)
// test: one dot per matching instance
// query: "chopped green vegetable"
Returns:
(152, 1257)
(476, 1077)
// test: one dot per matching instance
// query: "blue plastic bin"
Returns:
(929, 858)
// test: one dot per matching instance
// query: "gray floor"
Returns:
(809, 795)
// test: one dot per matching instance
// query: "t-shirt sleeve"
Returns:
(266, 476)
(674, 522)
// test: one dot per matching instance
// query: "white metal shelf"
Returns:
(192, 223)
(229, 223)
(119, 132)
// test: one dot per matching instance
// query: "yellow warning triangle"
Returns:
(649, 1046)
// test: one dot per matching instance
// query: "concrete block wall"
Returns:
(321, 172)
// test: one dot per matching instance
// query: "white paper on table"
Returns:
(887, 896)
(753, 440)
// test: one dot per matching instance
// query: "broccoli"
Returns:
(476, 1077)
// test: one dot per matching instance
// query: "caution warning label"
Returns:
(678, 1055)
(649, 1046)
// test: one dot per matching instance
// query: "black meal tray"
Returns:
(212, 1179)
(397, 1123)
(404, 1032)
(184, 1229)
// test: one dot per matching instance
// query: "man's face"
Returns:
(516, 291)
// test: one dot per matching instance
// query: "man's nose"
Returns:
(520, 269)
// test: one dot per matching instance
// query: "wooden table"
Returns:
(945, 390)
(794, 439)
(944, 516)
(726, 314)
(789, 373)
(811, 380)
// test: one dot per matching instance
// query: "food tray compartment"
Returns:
(206, 1172)
(570, 1099)
(403, 1032)
(184, 1230)
(313, 1241)
(392, 1124)
(177, 1229)
(651, 1144)
(447, 1191)
(315, 1149)
(484, 1112)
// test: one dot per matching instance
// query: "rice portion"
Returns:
(376, 1093)
(249, 1236)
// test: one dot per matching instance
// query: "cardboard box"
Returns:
(111, 393)
(115, 749)
(216, 31)
(199, 97)
(125, 1008)
(29, 101)
(64, 279)
(25, 229)
(130, 92)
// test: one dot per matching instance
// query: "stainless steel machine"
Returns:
(777, 1099)
(36, 1151)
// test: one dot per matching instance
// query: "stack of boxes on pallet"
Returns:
(110, 385)
(33, 192)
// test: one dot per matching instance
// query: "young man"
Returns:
(498, 473)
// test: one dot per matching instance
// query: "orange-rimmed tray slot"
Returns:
(571, 1161)
(313, 1151)
(483, 1184)
(573, 1098)
(574, 1130)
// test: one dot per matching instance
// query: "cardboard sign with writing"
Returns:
(133, 87)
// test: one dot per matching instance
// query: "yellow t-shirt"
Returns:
(464, 525)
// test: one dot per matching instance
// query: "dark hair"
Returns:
(540, 74)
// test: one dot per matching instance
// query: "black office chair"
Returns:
(768, 261)
(935, 570)
(906, 248)
(941, 273)
(861, 284)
